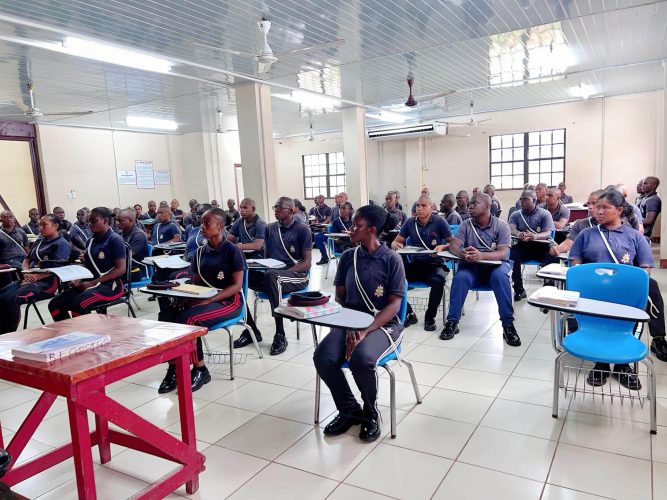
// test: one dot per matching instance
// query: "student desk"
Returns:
(176, 247)
(136, 344)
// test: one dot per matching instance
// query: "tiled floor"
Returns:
(484, 430)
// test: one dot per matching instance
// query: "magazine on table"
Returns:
(61, 346)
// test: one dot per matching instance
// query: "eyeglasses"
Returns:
(279, 207)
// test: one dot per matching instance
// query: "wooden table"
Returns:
(136, 344)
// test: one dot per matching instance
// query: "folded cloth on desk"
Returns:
(308, 299)
(162, 285)
(307, 312)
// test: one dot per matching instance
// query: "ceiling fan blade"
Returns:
(72, 113)
(221, 49)
(436, 96)
(16, 114)
(21, 105)
(321, 46)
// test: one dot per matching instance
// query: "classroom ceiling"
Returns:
(498, 54)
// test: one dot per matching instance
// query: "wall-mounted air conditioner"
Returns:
(407, 131)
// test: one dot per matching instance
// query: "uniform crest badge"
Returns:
(292, 249)
(494, 245)
(221, 276)
(379, 291)
(100, 255)
(626, 258)
(539, 229)
(434, 242)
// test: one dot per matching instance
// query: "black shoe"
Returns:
(627, 377)
(279, 345)
(659, 348)
(199, 377)
(598, 375)
(410, 319)
(342, 423)
(511, 336)
(451, 328)
(370, 429)
(429, 325)
(169, 382)
(245, 339)
(152, 298)
(321, 262)
(519, 295)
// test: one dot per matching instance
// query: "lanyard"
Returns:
(201, 275)
(478, 236)
(606, 243)
(247, 233)
(92, 260)
(420, 236)
(13, 241)
(526, 223)
(284, 247)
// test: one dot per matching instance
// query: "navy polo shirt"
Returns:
(45, 250)
(31, 228)
(381, 274)
(105, 249)
(340, 225)
(494, 236)
(539, 220)
(138, 242)
(149, 215)
(65, 225)
(434, 232)
(627, 244)
(321, 213)
(234, 214)
(398, 214)
(296, 237)
(561, 212)
(650, 203)
(453, 218)
(579, 225)
(216, 265)
(163, 232)
(566, 198)
(495, 206)
(335, 212)
(193, 238)
(248, 233)
(464, 213)
(12, 244)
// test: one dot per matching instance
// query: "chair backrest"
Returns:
(617, 283)
(128, 264)
(454, 228)
(403, 310)
(511, 211)
(151, 269)
(499, 212)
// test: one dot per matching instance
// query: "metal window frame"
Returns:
(525, 155)
(328, 174)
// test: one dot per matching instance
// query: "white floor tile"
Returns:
(300, 406)
(14, 395)
(488, 362)
(435, 355)
(256, 396)
(215, 421)
(140, 465)
(552, 492)
(529, 390)
(289, 374)
(427, 374)
(473, 381)
(659, 480)
(467, 482)
(508, 452)
(523, 418)
(279, 482)
(601, 473)
(12, 418)
(218, 387)
(400, 473)
(496, 345)
(109, 484)
(454, 405)
(163, 411)
(347, 492)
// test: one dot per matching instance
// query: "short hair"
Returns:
(654, 179)
(449, 197)
(137, 205)
(299, 205)
(425, 197)
(541, 184)
(162, 208)
(463, 193)
(288, 202)
(375, 216)
(348, 205)
(248, 201)
(529, 192)
(597, 192)
(484, 197)
(128, 212)
(203, 207)
(53, 219)
(103, 212)
(219, 213)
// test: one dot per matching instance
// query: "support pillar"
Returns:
(354, 149)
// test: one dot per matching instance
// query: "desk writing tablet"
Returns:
(349, 319)
(8, 270)
(598, 308)
(446, 254)
(173, 292)
(415, 251)
(338, 235)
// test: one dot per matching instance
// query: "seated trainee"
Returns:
(49, 250)
(529, 225)
(165, 230)
(482, 237)
(290, 242)
(217, 264)
(426, 230)
(447, 210)
(136, 239)
(341, 224)
(80, 232)
(105, 259)
(370, 278)
(612, 242)
(32, 227)
(13, 245)
(248, 230)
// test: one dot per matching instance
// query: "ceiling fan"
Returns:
(471, 122)
(220, 128)
(412, 102)
(310, 137)
(266, 57)
(33, 112)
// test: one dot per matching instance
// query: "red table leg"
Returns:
(81, 452)
(186, 410)
(102, 431)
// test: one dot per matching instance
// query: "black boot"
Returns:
(627, 377)
(343, 422)
(199, 377)
(279, 345)
(511, 336)
(451, 328)
(169, 382)
(370, 428)
(245, 339)
(659, 348)
(598, 375)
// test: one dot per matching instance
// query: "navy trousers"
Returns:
(13, 296)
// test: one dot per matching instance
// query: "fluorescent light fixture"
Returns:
(583, 90)
(150, 123)
(114, 55)
(387, 116)
(311, 100)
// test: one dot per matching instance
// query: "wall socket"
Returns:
(71, 194)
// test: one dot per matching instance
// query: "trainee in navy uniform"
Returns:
(231, 210)
(105, 257)
(32, 227)
(151, 213)
(650, 204)
(217, 264)
(370, 278)
(531, 226)
(390, 205)
(193, 236)
(137, 240)
(80, 231)
(247, 232)
(340, 199)
(321, 211)
(482, 237)
(430, 231)
(447, 204)
(613, 242)
(496, 207)
(579, 225)
(165, 230)
(13, 245)
(341, 224)
(462, 200)
(290, 242)
(50, 250)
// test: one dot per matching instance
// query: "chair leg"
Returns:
(556, 394)
(648, 362)
(254, 341)
(392, 399)
(318, 382)
(25, 317)
(135, 301)
(298, 332)
(413, 379)
(477, 295)
(130, 310)
(207, 349)
(254, 308)
(231, 353)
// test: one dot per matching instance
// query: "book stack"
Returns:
(194, 289)
(306, 312)
(61, 346)
(553, 296)
(555, 269)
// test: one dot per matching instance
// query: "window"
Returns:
(527, 158)
(323, 173)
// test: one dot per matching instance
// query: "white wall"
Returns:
(18, 183)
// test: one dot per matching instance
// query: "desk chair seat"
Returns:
(415, 285)
(384, 363)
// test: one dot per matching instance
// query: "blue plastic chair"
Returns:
(384, 363)
(333, 254)
(228, 323)
(143, 281)
(536, 263)
(415, 285)
(454, 228)
(607, 340)
(262, 296)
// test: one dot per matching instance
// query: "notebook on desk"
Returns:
(194, 289)
(265, 263)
